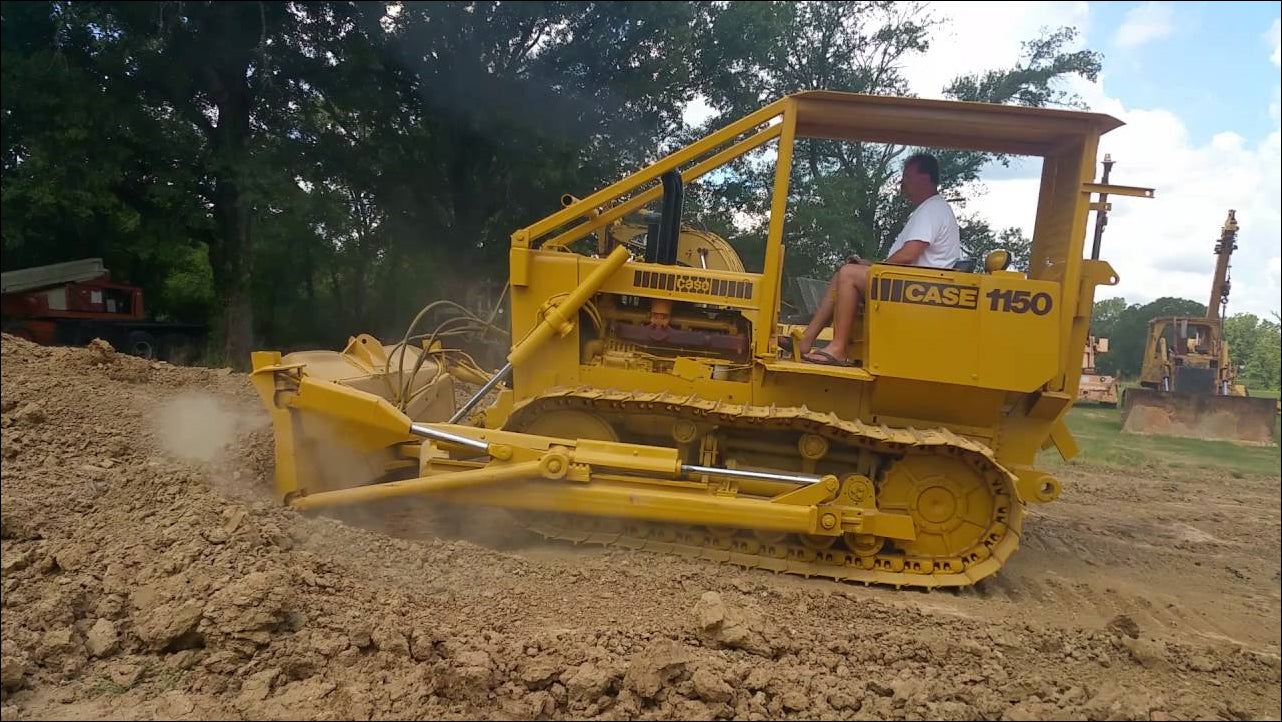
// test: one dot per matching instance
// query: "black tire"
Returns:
(141, 344)
(178, 349)
(19, 329)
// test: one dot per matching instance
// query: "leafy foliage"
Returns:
(844, 196)
(1256, 345)
(978, 240)
(82, 172)
(298, 172)
(1034, 79)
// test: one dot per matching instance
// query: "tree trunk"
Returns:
(230, 252)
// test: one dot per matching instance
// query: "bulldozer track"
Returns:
(793, 554)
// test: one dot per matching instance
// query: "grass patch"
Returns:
(1103, 445)
(102, 685)
(168, 679)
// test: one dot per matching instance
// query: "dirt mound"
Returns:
(148, 573)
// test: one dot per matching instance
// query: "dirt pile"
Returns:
(147, 573)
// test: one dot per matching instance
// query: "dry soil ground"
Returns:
(147, 575)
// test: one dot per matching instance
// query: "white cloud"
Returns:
(1164, 246)
(1161, 246)
(1196, 186)
(697, 111)
(981, 36)
(1150, 21)
(1274, 35)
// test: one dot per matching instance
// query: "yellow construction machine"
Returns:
(1188, 381)
(1095, 387)
(646, 402)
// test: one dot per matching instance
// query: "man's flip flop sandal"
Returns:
(825, 358)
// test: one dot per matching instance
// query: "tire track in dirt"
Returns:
(1085, 564)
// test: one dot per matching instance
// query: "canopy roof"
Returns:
(944, 124)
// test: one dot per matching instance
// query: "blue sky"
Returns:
(1199, 59)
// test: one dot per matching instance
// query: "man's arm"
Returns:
(908, 254)
(904, 256)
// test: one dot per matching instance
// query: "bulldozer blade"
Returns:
(1228, 418)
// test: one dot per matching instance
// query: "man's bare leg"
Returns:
(822, 316)
(851, 281)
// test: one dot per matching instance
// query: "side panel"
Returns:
(556, 363)
(725, 289)
(828, 389)
(995, 331)
(967, 410)
(1058, 241)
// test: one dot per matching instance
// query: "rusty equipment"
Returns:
(1095, 387)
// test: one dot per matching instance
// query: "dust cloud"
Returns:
(196, 426)
(211, 433)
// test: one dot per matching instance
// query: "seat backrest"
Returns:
(811, 291)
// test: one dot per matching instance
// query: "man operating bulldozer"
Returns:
(930, 238)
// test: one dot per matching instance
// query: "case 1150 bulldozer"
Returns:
(1188, 381)
(646, 401)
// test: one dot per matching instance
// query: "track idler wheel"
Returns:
(955, 509)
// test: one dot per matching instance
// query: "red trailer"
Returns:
(75, 302)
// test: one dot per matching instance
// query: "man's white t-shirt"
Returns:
(933, 222)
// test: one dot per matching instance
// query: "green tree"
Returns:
(1256, 347)
(978, 240)
(843, 197)
(222, 69)
(1264, 365)
(371, 156)
(1105, 315)
(490, 112)
(90, 172)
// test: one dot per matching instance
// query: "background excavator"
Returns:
(1188, 381)
(645, 401)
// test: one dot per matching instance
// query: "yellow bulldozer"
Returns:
(1188, 381)
(646, 402)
